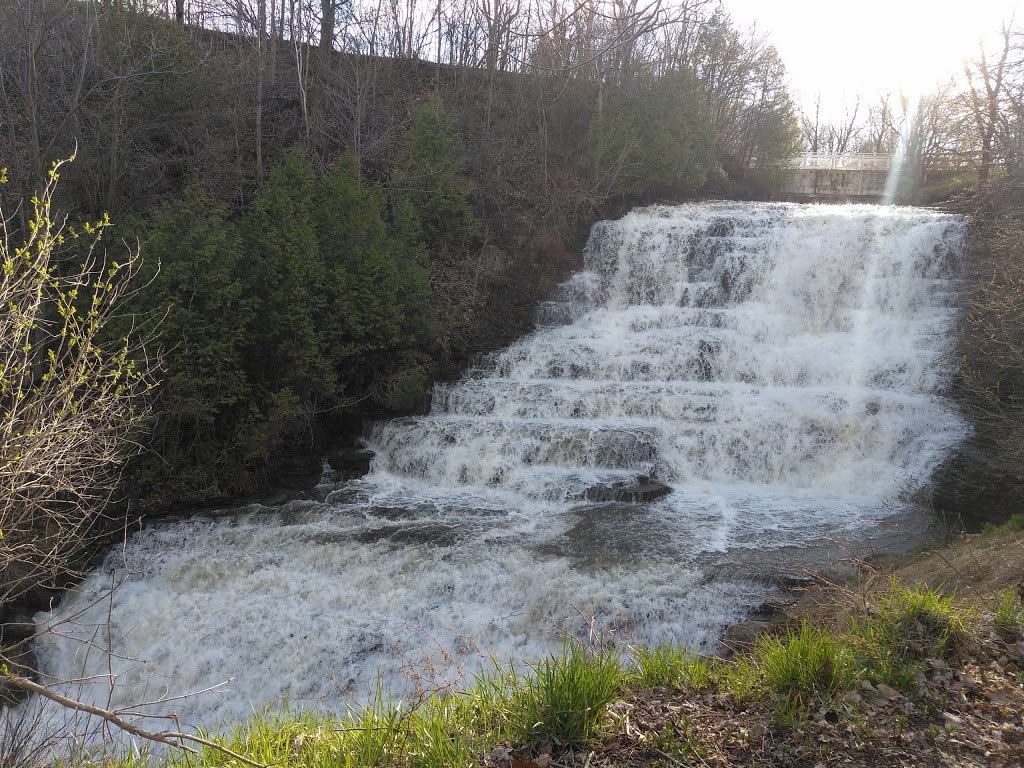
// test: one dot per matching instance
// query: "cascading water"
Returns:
(778, 367)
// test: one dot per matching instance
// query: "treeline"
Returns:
(154, 105)
(336, 203)
(970, 143)
(964, 133)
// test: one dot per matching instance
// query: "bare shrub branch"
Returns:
(72, 394)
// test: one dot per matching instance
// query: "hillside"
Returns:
(358, 216)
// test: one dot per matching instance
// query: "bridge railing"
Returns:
(862, 161)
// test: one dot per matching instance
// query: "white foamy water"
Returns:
(779, 367)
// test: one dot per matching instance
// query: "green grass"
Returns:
(441, 735)
(1008, 620)
(801, 667)
(908, 626)
(669, 667)
(563, 699)
(566, 698)
(921, 622)
(1014, 524)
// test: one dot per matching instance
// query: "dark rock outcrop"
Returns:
(20, 659)
(741, 637)
(974, 485)
(349, 461)
(641, 489)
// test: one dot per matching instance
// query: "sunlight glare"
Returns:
(845, 51)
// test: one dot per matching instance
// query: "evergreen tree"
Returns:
(203, 314)
(286, 276)
(653, 141)
(285, 357)
(376, 291)
(428, 179)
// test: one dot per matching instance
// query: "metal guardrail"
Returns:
(863, 161)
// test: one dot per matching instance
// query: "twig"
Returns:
(170, 738)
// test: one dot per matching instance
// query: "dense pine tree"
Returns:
(202, 312)
(377, 292)
(428, 179)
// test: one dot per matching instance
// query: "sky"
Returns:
(869, 47)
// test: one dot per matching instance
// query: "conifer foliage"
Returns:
(274, 317)
(203, 312)
(428, 178)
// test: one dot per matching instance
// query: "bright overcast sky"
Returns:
(868, 47)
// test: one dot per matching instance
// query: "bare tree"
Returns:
(985, 93)
(884, 126)
(811, 129)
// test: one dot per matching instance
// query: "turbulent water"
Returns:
(779, 367)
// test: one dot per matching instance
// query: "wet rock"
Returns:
(434, 535)
(977, 483)
(795, 581)
(779, 605)
(350, 462)
(610, 533)
(640, 490)
(740, 637)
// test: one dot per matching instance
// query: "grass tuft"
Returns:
(301, 738)
(1015, 523)
(1009, 615)
(441, 734)
(921, 622)
(669, 667)
(565, 701)
(802, 666)
(909, 625)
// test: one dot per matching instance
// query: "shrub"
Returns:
(73, 396)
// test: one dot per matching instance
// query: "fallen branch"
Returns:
(170, 738)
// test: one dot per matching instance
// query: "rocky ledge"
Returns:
(638, 490)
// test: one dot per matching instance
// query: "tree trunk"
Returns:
(326, 29)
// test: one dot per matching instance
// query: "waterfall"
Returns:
(780, 346)
(778, 369)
